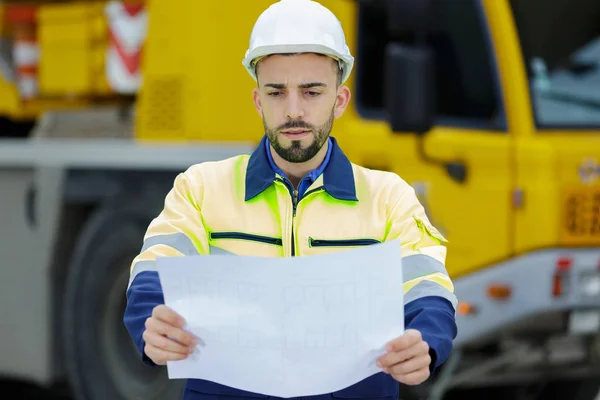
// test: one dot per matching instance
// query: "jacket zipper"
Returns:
(246, 236)
(294, 194)
(341, 242)
(294, 204)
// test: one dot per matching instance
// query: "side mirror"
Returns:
(410, 88)
(407, 16)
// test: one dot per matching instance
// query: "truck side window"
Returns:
(467, 89)
(563, 64)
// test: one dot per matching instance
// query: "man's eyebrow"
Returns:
(275, 85)
(301, 86)
(312, 85)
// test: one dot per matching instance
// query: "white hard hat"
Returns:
(298, 26)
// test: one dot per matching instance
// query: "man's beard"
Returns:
(296, 153)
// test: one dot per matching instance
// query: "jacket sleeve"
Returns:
(177, 231)
(429, 300)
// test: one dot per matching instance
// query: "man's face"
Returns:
(298, 99)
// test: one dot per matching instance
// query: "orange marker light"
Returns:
(465, 308)
(499, 291)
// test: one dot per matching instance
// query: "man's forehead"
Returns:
(297, 68)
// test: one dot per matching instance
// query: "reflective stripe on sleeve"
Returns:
(178, 241)
(150, 265)
(419, 265)
(424, 276)
(428, 288)
(441, 279)
(141, 266)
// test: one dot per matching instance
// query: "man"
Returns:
(297, 195)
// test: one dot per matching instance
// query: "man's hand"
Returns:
(407, 358)
(165, 338)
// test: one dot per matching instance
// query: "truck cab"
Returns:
(492, 114)
(507, 122)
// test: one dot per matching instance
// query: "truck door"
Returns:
(469, 201)
(559, 161)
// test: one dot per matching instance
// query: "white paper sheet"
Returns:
(287, 327)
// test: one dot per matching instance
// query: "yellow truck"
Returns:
(490, 109)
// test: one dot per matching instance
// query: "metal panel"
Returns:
(115, 153)
(32, 182)
(530, 277)
(30, 210)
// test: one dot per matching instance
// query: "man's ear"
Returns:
(256, 100)
(341, 101)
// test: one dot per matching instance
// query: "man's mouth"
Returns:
(295, 131)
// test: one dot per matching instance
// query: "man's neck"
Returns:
(296, 171)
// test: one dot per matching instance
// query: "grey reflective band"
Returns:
(141, 266)
(419, 265)
(429, 288)
(178, 241)
(220, 251)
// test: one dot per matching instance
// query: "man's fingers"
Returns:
(167, 315)
(165, 339)
(160, 357)
(410, 366)
(164, 329)
(410, 337)
(414, 378)
(389, 359)
(166, 344)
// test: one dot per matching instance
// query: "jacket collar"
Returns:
(338, 176)
(312, 175)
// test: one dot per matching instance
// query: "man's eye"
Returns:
(312, 93)
(274, 94)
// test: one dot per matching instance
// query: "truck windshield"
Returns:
(560, 40)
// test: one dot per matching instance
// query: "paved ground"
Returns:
(30, 392)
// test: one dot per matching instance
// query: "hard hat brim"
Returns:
(262, 51)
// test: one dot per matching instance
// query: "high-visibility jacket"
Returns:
(241, 205)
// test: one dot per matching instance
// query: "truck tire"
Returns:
(578, 389)
(101, 359)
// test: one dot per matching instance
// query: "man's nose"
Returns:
(294, 107)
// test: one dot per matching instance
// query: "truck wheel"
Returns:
(101, 359)
(577, 389)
